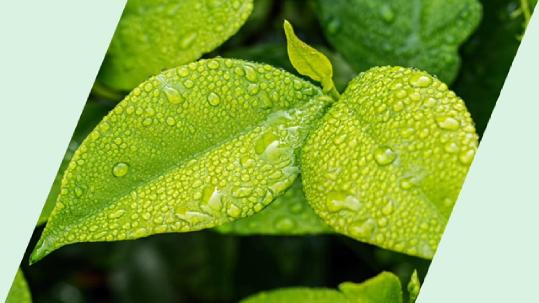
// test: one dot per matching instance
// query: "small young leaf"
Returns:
(387, 162)
(308, 61)
(289, 214)
(91, 115)
(420, 34)
(413, 287)
(191, 148)
(384, 288)
(19, 292)
(158, 34)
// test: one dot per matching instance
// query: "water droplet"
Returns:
(420, 80)
(233, 211)
(285, 224)
(447, 123)
(213, 64)
(338, 200)
(384, 155)
(451, 147)
(407, 183)
(250, 73)
(171, 121)
(362, 229)
(212, 197)
(120, 169)
(264, 142)
(188, 83)
(78, 191)
(116, 214)
(214, 99)
(188, 40)
(466, 157)
(173, 96)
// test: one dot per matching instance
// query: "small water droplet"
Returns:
(120, 169)
(213, 64)
(214, 99)
(420, 80)
(116, 214)
(447, 123)
(384, 155)
(466, 157)
(173, 96)
(451, 147)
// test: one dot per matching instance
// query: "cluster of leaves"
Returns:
(221, 143)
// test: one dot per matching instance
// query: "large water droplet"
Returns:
(173, 96)
(466, 157)
(120, 169)
(362, 229)
(420, 80)
(116, 214)
(265, 141)
(338, 200)
(213, 64)
(384, 155)
(214, 99)
(250, 73)
(447, 123)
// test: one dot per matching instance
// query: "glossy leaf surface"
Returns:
(191, 148)
(158, 34)
(388, 160)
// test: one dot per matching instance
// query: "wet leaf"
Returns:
(421, 34)
(384, 288)
(19, 292)
(388, 160)
(289, 214)
(191, 148)
(307, 60)
(158, 34)
(91, 115)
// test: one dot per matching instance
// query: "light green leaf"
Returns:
(413, 33)
(384, 288)
(19, 292)
(309, 61)
(289, 214)
(191, 148)
(156, 34)
(413, 287)
(91, 115)
(387, 162)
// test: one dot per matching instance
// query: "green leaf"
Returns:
(191, 148)
(421, 34)
(387, 162)
(309, 61)
(384, 288)
(91, 115)
(413, 287)
(276, 55)
(289, 214)
(158, 34)
(19, 292)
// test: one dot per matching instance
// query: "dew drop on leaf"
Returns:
(120, 169)
(384, 155)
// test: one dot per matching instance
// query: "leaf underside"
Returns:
(159, 34)
(388, 160)
(191, 148)
(412, 33)
(384, 288)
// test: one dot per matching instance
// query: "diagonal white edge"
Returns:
(490, 249)
(49, 56)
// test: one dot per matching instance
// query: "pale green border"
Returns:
(49, 56)
(490, 250)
